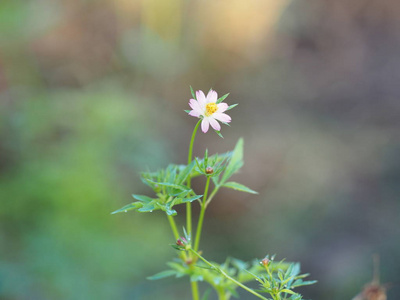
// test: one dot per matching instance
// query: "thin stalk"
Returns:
(173, 227)
(212, 194)
(227, 276)
(195, 290)
(221, 294)
(176, 234)
(189, 204)
(201, 217)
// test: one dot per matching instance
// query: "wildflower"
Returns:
(209, 110)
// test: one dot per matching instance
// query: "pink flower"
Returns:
(209, 110)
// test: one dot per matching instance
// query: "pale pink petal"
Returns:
(215, 124)
(204, 125)
(222, 107)
(222, 117)
(201, 98)
(195, 105)
(212, 96)
(194, 113)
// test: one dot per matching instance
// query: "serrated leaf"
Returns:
(132, 206)
(162, 274)
(191, 199)
(297, 284)
(171, 212)
(222, 98)
(287, 291)
(235, 163)
(142, 198)
(171, 185)
(239, 187)
(148, 207)
(185, 173)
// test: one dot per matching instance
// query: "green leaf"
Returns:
(206, 294)
(231, 106)
(219, 133)
(233, 292)
(171, 185)
(185, 173)
(239, 187)
(222, 98)
(301, 283)
(132, 206)
(162, 274)
(191, 199)
(235, 163)
(171, 212)
(192, 92)
(148, 207)
(142, 198)
(176, 247)
(287, 291)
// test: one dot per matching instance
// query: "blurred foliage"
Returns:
(93, 92)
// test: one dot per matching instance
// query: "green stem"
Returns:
(221, 294)
(227, 276)
(173, 227)
(212, 195)
(189, 204)
(195, 290)
(201, 217)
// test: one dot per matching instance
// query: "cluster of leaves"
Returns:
(169, 184)
(278, 280)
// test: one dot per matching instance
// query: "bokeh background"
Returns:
(93, 92)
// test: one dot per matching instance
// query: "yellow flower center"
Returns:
(211, 108)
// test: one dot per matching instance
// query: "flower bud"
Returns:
(265, 262)
(182, 242)
(209, 170)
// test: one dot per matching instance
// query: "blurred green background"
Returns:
(93, 92)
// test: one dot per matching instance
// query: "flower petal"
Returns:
(194, 113)
(195, 105)
(201, 98)
(222, 117)
(215, 124)
(222, 107)
(212, 96)
(205, 125)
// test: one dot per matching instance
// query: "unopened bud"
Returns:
(181, 242)
(209, 170)
(265, 262)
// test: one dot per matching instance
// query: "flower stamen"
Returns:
(211, 108)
